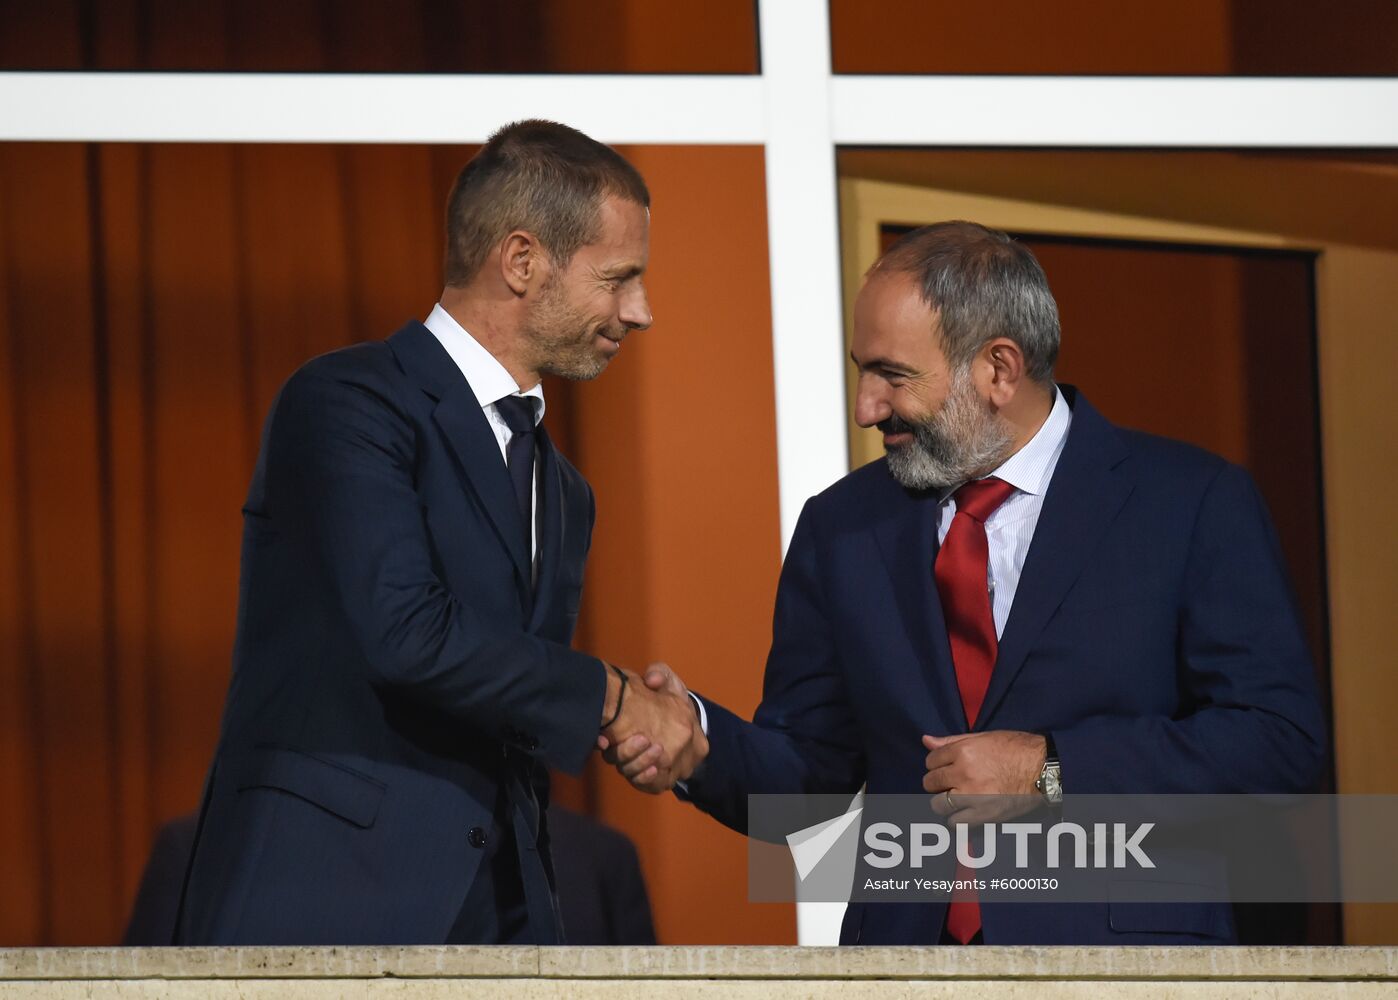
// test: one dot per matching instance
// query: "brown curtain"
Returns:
(154, 298)
(373, 36)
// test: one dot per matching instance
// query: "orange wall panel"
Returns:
(1153, 337)
(1075, 37)
(1026, 36)
(679, 440)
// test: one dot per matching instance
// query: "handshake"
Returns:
(651, 731)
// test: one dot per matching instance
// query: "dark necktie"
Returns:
(518, 414)
(962, 573)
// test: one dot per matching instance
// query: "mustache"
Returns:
(895, 424)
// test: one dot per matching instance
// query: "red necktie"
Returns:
(962, 573)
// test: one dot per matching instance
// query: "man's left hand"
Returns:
(984, 777)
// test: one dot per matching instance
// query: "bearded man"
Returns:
(412, 563)
(1020, 600)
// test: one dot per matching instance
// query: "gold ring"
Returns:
(951, 806)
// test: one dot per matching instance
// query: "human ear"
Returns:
(1002, 363)
(522, 261)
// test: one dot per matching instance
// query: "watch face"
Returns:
(1049, 784)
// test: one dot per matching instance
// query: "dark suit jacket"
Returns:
(601, 891)
(396, 684)
(1152, 633)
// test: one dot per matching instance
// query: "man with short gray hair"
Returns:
(413, 556)
(1021, 599)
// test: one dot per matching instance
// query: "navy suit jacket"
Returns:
(1153, 633)
(397, 681)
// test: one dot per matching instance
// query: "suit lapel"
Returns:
(469, 438)
(908, 544)
(1084, 497)
(549, 528)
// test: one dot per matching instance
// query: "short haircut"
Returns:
(538, 176)
(982, 284)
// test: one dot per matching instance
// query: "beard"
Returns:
(962, 440)
(563, 337)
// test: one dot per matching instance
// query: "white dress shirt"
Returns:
(490, 383)
(1010, 528)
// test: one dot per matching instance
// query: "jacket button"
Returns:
(476, 837)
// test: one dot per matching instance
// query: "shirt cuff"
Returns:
(703, 713)
(704, 725)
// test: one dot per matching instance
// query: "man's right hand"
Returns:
(657, 740)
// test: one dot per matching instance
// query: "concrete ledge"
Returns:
(502, 964)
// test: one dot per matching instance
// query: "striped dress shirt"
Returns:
(1010, 529)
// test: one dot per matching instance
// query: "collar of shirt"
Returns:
(1030, 469)
(486, 376)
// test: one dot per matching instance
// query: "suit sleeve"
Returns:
(802, 738)
(340, 473)
(1251, 721)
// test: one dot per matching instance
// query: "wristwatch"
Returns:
(1050, 783)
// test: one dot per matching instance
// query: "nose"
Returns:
(871, 401)
(635, 308)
